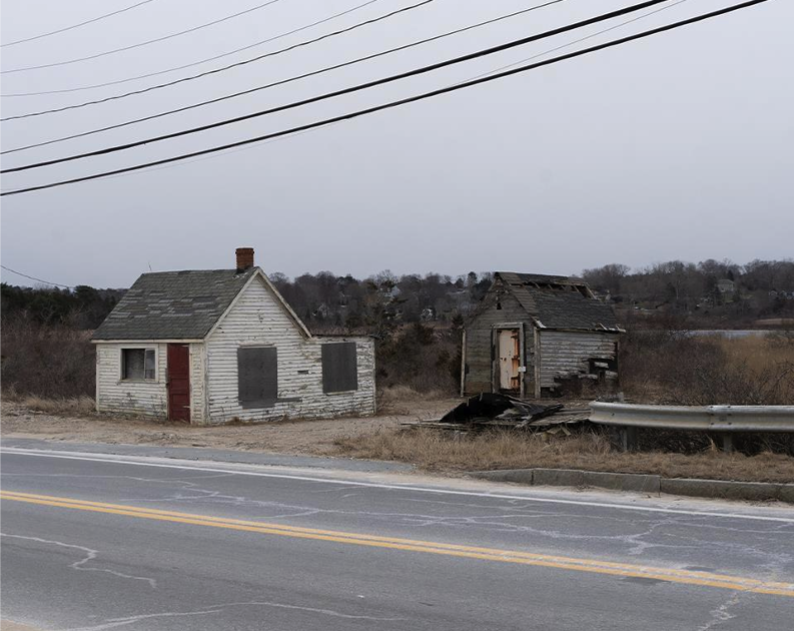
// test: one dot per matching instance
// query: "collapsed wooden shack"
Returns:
(538, 335)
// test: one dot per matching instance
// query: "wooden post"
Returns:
(628, 438)
(523, 361)
(538, 362)
(463, 366)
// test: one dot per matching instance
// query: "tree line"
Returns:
(386, 301)
(713, 289)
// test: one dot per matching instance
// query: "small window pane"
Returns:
(132, 363)
(149, 366)
(138, 364)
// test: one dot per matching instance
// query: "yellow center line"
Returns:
(472, 552)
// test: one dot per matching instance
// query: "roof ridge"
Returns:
(182, 271)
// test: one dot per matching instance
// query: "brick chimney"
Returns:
(245, 259)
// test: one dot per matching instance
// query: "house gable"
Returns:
(258, 319)
(271, 296)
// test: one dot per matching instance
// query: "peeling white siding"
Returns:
(198, 390)
(258, 319)
(567, 353)
(130, 397)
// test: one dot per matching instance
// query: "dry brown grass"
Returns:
(666, 367)
(401, 400)
(434, 450)
(73, 406)
(755, 351)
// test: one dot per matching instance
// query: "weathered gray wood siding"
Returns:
(115, 395)
(258, 319)
(479, 340)
(568, 353)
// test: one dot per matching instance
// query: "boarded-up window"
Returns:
(257, 377)
(138, 364)
(340, 367)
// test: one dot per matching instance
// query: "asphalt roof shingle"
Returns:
(173, 305)
(557, 302)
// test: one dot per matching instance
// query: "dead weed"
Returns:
(72, 406)
(441, 451)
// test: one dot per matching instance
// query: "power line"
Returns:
(571, 43)
(357, 88)
(377, 108)
(138, 45)
(307, 131)
(290, 79)
(74, 26)
(194, 63)
(222, 69)
(39, 280)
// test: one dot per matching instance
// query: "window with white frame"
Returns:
(138, 364)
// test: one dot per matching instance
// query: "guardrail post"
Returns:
(628, 438)
(727, 442)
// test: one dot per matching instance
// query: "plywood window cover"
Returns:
(267, 395)
(333, 382)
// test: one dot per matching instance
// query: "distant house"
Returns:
(726, 286)
(537, 335)
(212, 346)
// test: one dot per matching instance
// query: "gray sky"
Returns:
(676, 146)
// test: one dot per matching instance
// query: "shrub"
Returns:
(53, 361)
(679, 368)
(421, 358)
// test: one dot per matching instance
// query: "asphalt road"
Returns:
(95, 542)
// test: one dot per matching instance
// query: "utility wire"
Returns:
(189, 65)
(290, 79)
(357, 88)
(307, 131)
(571, 43)
(412, 99)
(74, 26)
(39, 280)
(138, 45)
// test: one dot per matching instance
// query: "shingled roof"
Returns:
(173, 305)
(558, 302)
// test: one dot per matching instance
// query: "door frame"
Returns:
(168, 382)
(522, 367)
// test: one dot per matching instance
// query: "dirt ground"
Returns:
(385, 438)
(293, 437)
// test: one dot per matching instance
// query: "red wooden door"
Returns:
(179, 382)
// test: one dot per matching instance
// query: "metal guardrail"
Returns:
(716, 418)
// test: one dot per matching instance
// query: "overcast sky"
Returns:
(676, 146)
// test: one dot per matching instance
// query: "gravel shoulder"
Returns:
(362, 440)
(290, 437)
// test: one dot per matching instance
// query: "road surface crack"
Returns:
(113, 623)
(91, 555)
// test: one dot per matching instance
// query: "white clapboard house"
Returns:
(214, 346)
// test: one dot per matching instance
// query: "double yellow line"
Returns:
(470, 552)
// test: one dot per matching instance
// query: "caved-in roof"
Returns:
(559, 302)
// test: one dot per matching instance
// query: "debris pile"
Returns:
(498, 409)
